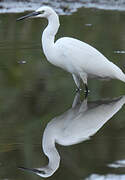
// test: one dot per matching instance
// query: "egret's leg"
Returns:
(84, 79)
(76, 100)
(86, 90)
(83, 106)
(77, 81)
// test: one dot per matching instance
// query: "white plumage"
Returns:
(78, 58)
(75, 125)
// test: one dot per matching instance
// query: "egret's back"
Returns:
(76, 56)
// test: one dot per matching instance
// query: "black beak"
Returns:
(28, 16)
(31, 170)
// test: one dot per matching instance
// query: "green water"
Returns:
(34, 92)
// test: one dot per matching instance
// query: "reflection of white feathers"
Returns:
(106, 177)
(81, 121)
(75, 125)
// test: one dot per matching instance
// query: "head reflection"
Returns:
(75, 125)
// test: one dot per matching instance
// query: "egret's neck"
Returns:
(51, 152)
(49, 33)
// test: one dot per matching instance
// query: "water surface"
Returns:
(33, 92)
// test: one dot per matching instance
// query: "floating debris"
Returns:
(117, 164)
(106, 177)
(88, 24)
(119, 52)
(22, 62)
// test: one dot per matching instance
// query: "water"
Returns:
(63, 7)
(33, 92)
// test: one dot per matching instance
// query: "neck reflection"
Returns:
(75, 125)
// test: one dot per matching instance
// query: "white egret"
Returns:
(78, 58)
(75, 125)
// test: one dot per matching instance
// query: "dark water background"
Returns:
(32, 92)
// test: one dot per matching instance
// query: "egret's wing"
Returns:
(80, 56)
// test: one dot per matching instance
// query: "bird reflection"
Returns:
(75, 125)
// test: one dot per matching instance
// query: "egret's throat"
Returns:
(50, 31)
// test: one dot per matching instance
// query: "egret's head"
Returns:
(43, 172)
(43, 12)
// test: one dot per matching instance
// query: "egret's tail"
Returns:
(119, 74)
(121, 77)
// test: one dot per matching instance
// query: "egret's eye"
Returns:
(42, 11)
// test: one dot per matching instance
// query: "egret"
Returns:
(78, 58)
(76, 125)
